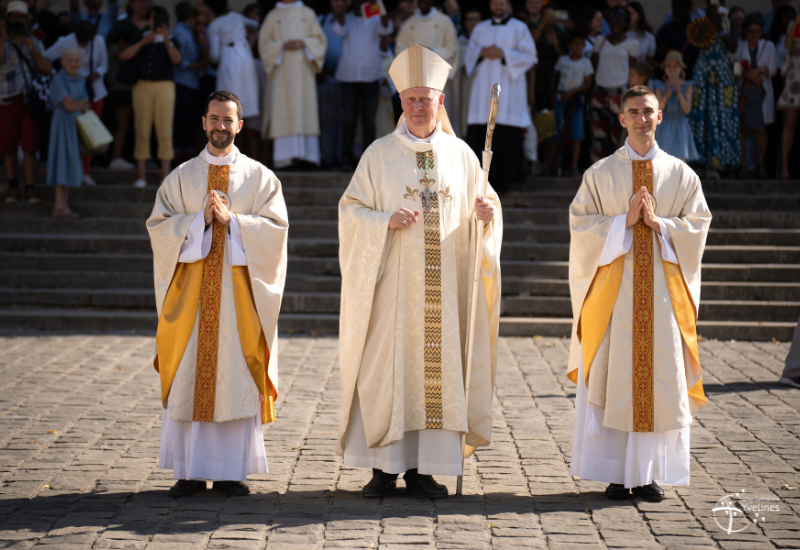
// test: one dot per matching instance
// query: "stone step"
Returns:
(725, 310)
(78, 319)
(82, 319)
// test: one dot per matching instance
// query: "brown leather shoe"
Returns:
(13, 195)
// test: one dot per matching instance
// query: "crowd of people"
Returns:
(314, 85)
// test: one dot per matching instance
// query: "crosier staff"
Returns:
(476, 270)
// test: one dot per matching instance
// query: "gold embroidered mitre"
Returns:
(419, 67)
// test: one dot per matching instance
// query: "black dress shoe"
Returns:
(232, 488)
(422, 484)
(186, 488)
(651, 492)
(380, 484)
(617, 490)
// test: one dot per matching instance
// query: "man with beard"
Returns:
(218, 231)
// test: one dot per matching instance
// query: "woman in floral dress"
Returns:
(715, 105)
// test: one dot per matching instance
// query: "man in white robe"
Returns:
(638, 227)
(218, 231)
(292, 46)
(501, 50)
(408, 233)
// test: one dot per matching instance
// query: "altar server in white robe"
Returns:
(292, 46)
(231, 53)
(407, 226)
(638, 227)
(501, 50)
(218, 231)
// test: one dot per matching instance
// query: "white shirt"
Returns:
(99, 60)
(572, 73)
(765, 58)
(620, 238)
(361, 48)
(198, 239)
(519, 55)
(613, 66)
(647, 44)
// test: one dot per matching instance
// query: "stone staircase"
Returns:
(95, 273)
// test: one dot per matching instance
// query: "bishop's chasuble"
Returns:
(404, 307)
(216, 345)
(634, 353)
(290, 113)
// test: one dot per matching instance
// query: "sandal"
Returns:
(66, 214)
(741, 173)
(762, 173)
(785, 174)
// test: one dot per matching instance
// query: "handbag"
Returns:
(545, 124)
(37, 93)
(95, 137)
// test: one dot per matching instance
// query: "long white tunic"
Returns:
(632, 459)
(519, 55)
(227, 41)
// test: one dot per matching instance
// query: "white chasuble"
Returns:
(215, 401)
(290, 103)
(519, 55)
(634, 345)
(435, 31)
(404, 307)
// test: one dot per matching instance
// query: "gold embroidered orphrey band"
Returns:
(205, 382)
(643, 298)
(433, 297)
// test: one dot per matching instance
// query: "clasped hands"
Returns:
(484, 211)
(294, 44)
(492, 52)
(216, 209)
(642, 209)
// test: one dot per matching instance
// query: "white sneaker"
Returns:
(121, 164)
(140, 184)
(88, 180)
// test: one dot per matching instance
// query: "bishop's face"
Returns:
(420, 105)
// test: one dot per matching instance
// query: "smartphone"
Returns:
(561, 15)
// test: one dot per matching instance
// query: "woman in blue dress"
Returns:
(715, 104)
(64, 163)
(674, 135)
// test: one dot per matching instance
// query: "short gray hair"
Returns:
(69, 51)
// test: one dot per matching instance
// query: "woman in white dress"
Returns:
(230, 51)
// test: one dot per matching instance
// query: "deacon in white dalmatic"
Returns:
(407, 226)
(218, 231)
(638, 228)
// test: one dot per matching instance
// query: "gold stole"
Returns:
(598, 307)
(200, 283)
(643, 308)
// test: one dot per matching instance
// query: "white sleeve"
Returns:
(198, 241)
(668, 253)
(309, 55)
(235, 246)
(387, 30)
(618, 241)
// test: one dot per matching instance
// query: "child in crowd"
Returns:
(65, 164)
(640, 75)
(574, 75)
(674, 135)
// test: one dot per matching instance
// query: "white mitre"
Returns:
(419, 67)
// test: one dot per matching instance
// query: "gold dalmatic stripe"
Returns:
(205, 382)
(643, 297)
(433, 298)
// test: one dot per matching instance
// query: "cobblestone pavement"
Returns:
(79, 437)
